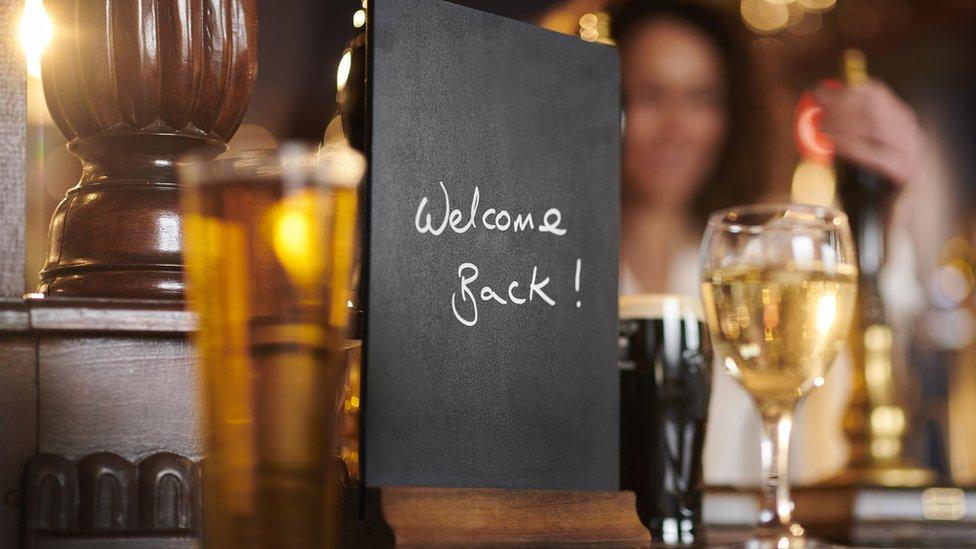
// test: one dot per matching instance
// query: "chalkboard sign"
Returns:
(492, 253)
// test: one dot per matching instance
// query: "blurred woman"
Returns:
(693, 143)
(693, 137)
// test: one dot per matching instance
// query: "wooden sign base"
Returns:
(424, 517)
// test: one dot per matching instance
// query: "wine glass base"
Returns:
(783, 543)
(783, 537)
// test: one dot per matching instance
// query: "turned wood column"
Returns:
(134, 85)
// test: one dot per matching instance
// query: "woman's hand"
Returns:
(872, 127)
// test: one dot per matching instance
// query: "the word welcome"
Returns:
(491, 219)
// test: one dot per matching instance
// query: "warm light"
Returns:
(35, 31)
(295, 238)
(957, 247)
(732, 367)
(813, 183)
(764, 16)
(956, 281)
(334, 134)
(253, 136)
(342, 74)
(877, 338)
(590, 35)
(797, 13)
(885, 448)
(953, 329)
(359, 18)
(887, 422)
(944, 504)
(817, 5)
(826, 312)
(595, 27)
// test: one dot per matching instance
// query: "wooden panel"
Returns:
(130, 395)
(13, 134)
(105, 498)
(126, 542)
(425, 516)
(109, 315)
(14, 316)
(18, 425)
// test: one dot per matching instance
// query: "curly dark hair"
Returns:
(739, 175)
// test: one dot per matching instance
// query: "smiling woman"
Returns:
(695, 127)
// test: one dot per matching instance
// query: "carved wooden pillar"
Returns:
(134, 85)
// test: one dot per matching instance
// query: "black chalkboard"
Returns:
(469, 107)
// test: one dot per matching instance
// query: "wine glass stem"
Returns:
(776, 506)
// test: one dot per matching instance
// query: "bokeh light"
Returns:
(953, 329)
(342, 73)
(296, 229)
(957, 247)
(811, 23)
(35, 31)
(796, 14)
(802, 17)
(251, 137)
(956, 281)
(817, 5)
(595, 27)
(764, 16)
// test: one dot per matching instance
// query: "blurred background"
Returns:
(922, 48)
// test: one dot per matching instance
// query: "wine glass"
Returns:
(779, 284)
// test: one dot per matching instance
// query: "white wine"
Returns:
(778, 328)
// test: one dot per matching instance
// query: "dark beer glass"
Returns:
(665, 382)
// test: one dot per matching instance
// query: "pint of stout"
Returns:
(665, 382)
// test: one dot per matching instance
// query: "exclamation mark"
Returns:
(579, 263)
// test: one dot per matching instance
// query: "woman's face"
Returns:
(676, 118)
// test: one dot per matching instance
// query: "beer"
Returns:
(779, 328)
(270, 241)
(665, 383)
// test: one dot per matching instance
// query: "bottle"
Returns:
(867, 198)
(875, 421)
